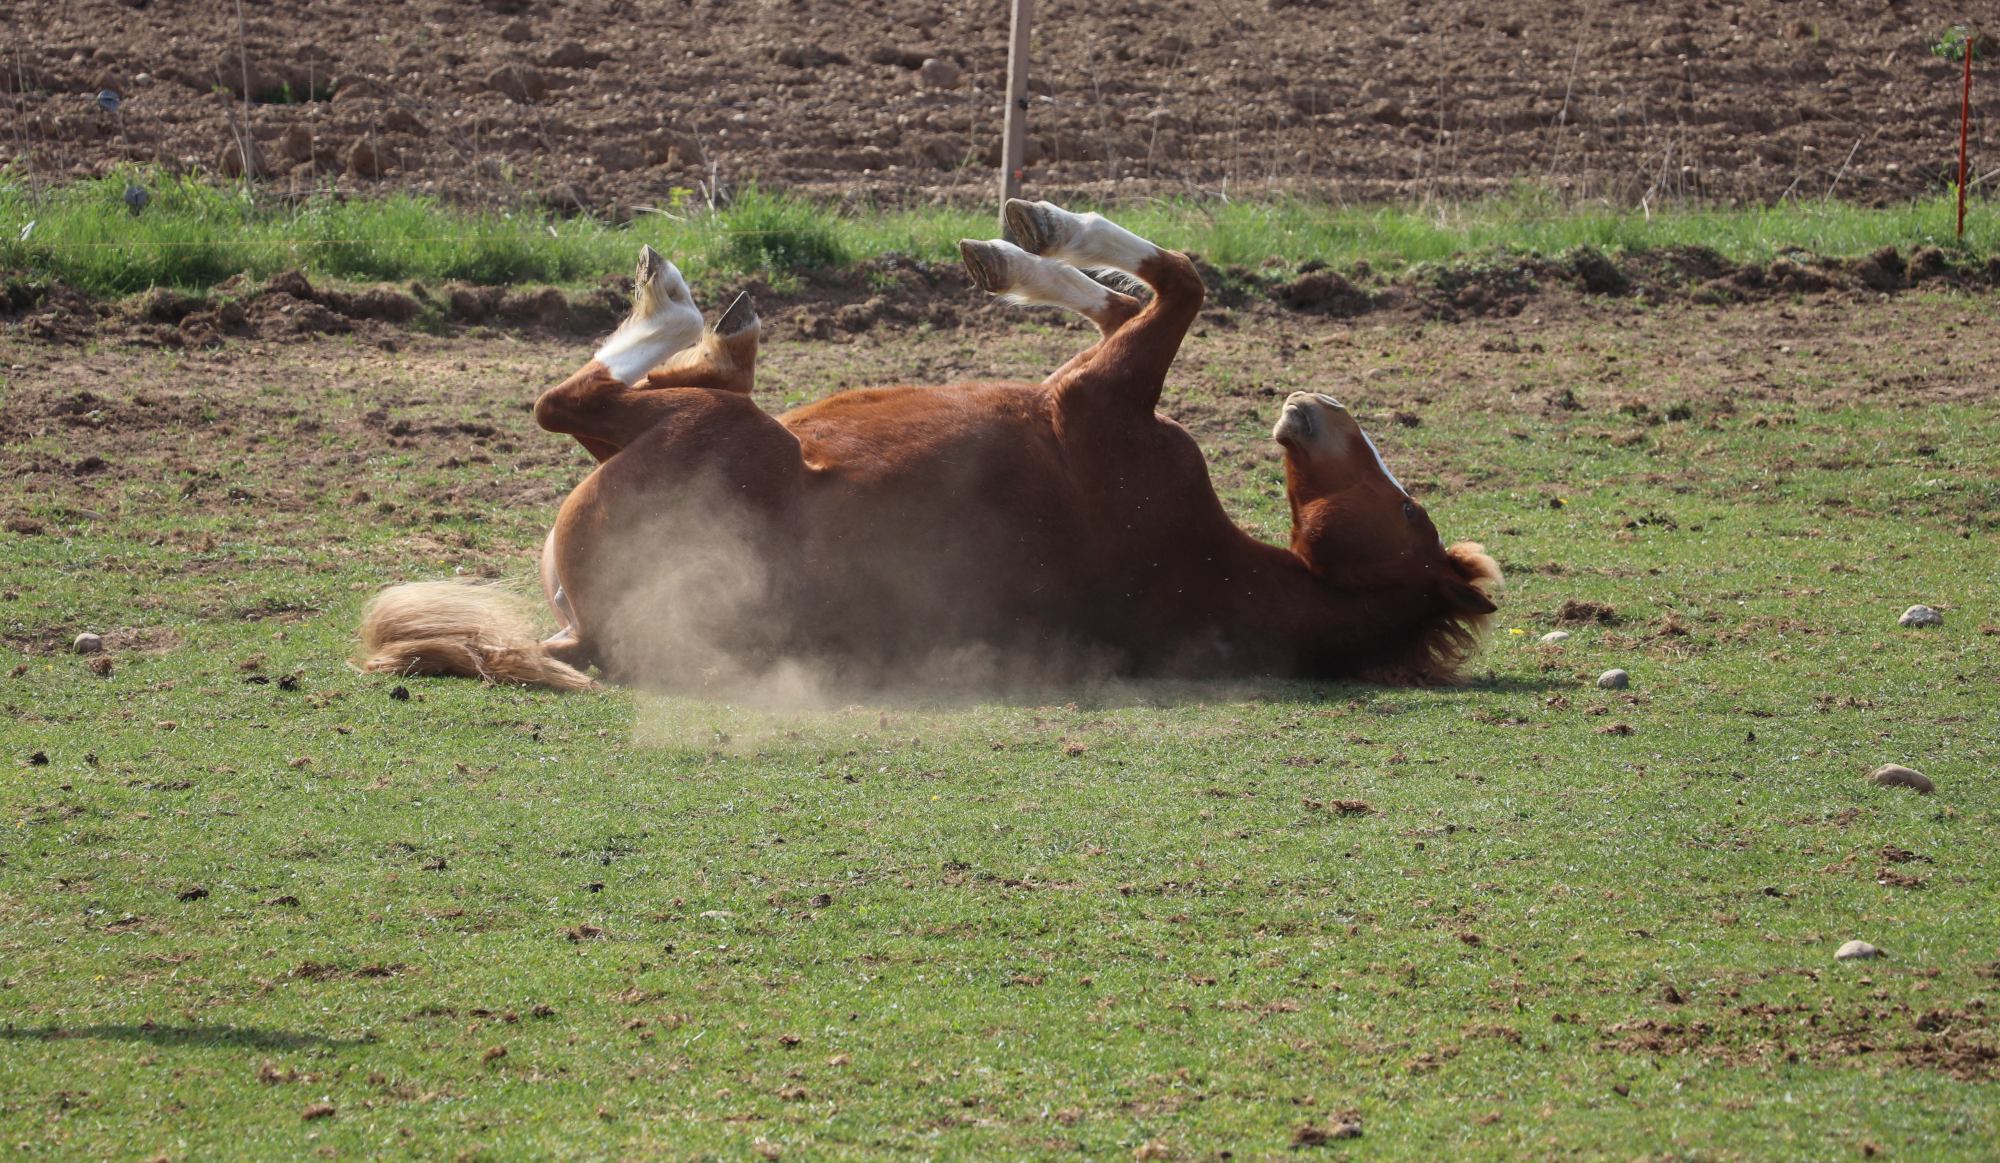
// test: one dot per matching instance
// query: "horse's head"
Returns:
(1361, 533)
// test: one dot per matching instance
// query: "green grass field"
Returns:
(192, 235)
(254, 904)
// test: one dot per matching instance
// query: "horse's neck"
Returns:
(1288, 612)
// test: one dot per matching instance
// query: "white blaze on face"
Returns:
(1330, 402)
(1378, 463)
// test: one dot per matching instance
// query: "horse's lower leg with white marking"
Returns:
(1001, 268)
(664, 320)
(608, 404)
(1128, 369)
(1084, 240)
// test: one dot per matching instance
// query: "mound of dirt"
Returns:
(895, 291)
(606, 107)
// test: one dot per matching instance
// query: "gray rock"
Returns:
(1896, 775)
(1920, 616)
(87, 643)
(938, 73)
(1857, 951)
(1555, 636)
(1614, 680)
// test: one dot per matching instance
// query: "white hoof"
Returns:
(664, 320)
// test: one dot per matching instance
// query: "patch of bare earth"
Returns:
(610, 108)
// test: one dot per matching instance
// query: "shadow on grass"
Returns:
(248, 1037)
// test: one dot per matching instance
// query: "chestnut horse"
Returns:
(1000, 530)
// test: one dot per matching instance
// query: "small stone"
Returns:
(1896, 775)
(519, 83)
(87, 643)
(717, 915)
(571, 55)
(1613, 680)
(1385, 111)
(937, 73)
(231, 160)
(1555, 636)
(363, 161)
(297, 144)
(1857, 951)
(1920, 616)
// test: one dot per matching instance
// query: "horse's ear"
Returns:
(1466, 599)
(741, 317)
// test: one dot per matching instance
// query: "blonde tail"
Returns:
(468, 629)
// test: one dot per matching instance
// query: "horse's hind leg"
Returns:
(664, 320)
(566, 645)
(726, 358)
(605, 412)
(1127, 370)
(662, 531)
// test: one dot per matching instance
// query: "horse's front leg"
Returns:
(1000, 268)
(1121, 376)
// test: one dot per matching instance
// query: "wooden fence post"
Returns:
(1014, 145)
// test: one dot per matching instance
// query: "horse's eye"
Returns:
(1410, 510)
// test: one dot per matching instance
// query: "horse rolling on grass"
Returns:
(1006, 531)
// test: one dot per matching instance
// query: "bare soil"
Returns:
(608, 106)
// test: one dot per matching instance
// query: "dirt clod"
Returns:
(1319, 1135)
(1575, 612)
(1323, 292)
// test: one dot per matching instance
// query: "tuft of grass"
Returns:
(782, 234)
(193, 235)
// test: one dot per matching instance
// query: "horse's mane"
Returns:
(1438, 655)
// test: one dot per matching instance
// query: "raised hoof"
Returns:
(986, 263)
(741, 317)
(650, 264)
(1036, 227)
